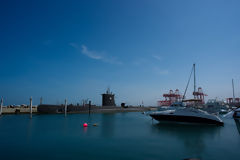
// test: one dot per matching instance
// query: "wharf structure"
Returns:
(48, 108)
(108, 105)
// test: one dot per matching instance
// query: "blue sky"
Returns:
(140, 49)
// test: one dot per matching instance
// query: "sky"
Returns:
(76, 49)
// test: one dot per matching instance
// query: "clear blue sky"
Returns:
(141, 49)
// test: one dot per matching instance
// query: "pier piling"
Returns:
(89, 108)
(65, 108)
(30, 107)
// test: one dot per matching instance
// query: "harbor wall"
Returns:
(16, 110)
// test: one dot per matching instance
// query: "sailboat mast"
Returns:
(233, 92)
(187, 84)
(194, 80)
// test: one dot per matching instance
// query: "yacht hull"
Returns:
(188, 119)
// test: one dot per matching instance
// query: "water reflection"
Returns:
(108, 123)
(85, 130)
(29, 129)
(194, 136)
(237, 121)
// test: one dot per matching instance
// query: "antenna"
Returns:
(41, 100)
(108, 90)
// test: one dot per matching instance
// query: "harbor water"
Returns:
(117, 136)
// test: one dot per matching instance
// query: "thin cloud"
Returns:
(161, 71)
(139, 62)
(95, 55)
(157, 57)
(84, 50)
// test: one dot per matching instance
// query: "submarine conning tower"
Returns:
(108, 98)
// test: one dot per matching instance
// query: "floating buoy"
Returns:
(95, 124)
(85, 124)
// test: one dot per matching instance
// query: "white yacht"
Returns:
(181, 113)
(186, 114)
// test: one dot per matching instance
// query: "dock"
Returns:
(59, 109)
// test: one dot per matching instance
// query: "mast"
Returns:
(188, 83)
(194, 80)
(233, 92)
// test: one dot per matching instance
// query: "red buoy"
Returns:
(85, 124)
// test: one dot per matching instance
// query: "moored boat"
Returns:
(190, 114)
(187, 114)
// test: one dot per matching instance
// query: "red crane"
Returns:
(199, 95)
(170, 98)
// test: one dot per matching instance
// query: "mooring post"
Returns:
(30, 107)
(1, 106)
(89, 107)
(65, 108)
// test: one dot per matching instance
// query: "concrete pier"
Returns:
(18, 110)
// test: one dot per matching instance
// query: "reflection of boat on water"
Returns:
(237, 121)
(194, 137)
(184, 131)
(185, 114)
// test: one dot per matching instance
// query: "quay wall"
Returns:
(16, 110)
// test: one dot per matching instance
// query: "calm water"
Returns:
(117, 136)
